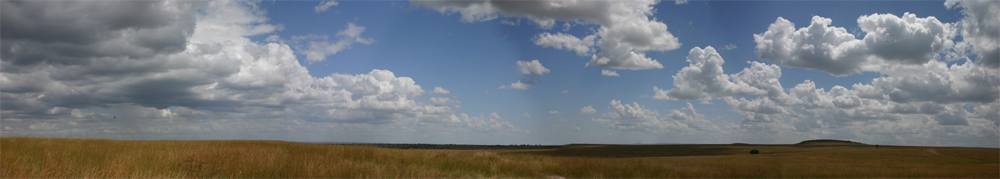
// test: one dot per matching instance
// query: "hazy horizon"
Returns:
(550, 72)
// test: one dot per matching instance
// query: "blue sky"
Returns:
(367, 71)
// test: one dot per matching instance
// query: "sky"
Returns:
(504, 72)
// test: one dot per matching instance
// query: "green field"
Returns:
(98, 158)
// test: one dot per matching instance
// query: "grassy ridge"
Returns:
(80, 158)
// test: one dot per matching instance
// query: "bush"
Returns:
(754, 151)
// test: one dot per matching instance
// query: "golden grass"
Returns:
(98, 158)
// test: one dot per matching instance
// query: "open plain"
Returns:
(99, 158)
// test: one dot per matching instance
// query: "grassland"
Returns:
(98, 158)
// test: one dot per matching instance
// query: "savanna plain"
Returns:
(23, 157)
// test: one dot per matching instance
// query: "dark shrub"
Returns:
(754, 151)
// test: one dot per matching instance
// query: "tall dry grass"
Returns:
(98, 158)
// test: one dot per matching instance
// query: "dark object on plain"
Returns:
(754, 151)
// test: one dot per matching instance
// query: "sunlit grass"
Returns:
(98, 158)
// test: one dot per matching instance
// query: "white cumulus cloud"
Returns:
(934, 91)
(730, 46)
(519, 85)
(626, 31)
(606, 72)
(636, 117)
(687, 116)
(529, 67)
(376, 97)
(588, 110)
(323, 5)
(582, 47)
(438, 101)
(439, 90)
(627, 117)
(889, 39)
(319, 46)
(905, 39)
(705, 77)
(491, 123)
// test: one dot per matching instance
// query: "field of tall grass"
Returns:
(98, 158)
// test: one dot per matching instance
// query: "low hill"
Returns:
(829, 142)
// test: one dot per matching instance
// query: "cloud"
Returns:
(636, 117)
(626, 32)
(582, 47)
(811, 108)
(979, 28)
(133, 112)
(989, 111)
(889, 39)
(818, 46)
(587, 110)
(680, 1)
(905, 39)
(627, 117)
(691, 118)
(621, 47)
(940, 83)
(705, 77)
(323, 5)
(519, 85)
(169, 78)
(491, 123)
(203, 75)
(273, 38)
(935, 91)
(438, 101)
(475, 11)
(319, 46)
(533, 66)
(730, 46)
(527, 68)
(376, 97)
(901, 47)
(934, 85)
(439, 90)
(43, 126)
(526, 115)
(62, 32)
(565, 91)
(554, 112)
(609, 73)
(216, 81)
(953, 117)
